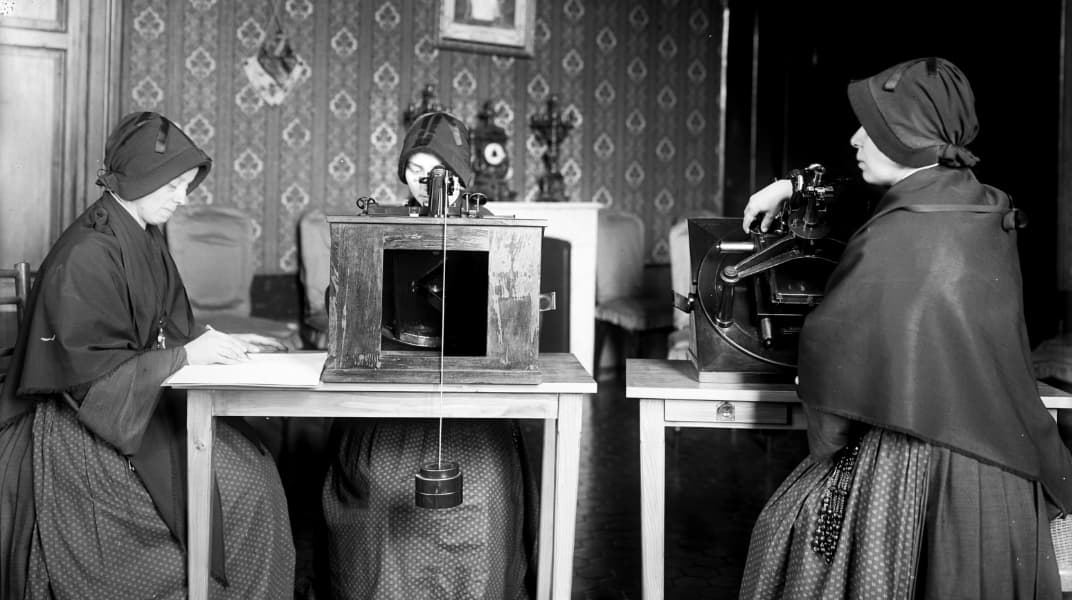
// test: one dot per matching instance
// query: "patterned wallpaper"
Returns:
(642, 78)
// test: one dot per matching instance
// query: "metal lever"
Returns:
(684, 303)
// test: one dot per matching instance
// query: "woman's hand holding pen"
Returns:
(259, 343)
(216, 347)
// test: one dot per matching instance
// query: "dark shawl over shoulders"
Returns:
(922, 331)
(98, 302)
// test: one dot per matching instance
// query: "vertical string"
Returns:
(442, 332)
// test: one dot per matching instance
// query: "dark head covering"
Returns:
(144, 152)
(440, 134)
(918, 113)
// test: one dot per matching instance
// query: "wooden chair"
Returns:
(14, 290)
(1052, 360)
(625, 307)
(1061, 532)
(213, 250)
(314, 250)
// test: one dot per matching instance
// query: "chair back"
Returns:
(14, 290)
(314, 243)
(1061, 534)
(213, 249)
(619, 255)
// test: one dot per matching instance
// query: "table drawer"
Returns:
(719, 411)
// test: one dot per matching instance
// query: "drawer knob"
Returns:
(725, 412)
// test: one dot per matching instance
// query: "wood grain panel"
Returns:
(44, 15)
(431, 238)
(356, 307)
(513, 296)
(32, 98)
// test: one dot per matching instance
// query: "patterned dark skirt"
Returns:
(98, 533)
(896, 518)
(381, 546)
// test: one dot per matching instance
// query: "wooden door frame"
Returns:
(1064, 174)
(101, 62)
(91, 35)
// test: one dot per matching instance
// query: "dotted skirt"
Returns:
(918, 521)
(382, 546)
(99, 535)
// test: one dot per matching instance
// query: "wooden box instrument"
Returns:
(426, 299)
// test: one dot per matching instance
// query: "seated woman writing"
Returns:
(92, 448)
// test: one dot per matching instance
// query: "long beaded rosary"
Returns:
(833, 503)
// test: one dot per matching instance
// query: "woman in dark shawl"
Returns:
(92, 449)
(934, 468)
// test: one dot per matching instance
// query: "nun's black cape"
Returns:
(922, 331)
(102, 295)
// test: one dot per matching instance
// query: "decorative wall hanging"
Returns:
(276, 68)
(492, 26)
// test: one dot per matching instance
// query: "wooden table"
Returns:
(557, 400)
(670, 396)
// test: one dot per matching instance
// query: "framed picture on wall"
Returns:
(492, 26)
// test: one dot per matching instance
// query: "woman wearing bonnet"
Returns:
(92, 448)
(934, 468)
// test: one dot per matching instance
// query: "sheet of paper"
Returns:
(282, 369)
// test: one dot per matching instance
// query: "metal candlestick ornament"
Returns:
(552, 128)
(428, 104)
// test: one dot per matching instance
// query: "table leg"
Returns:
(567, 469)
(652, 495)
(546, 544)
(200, 431)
